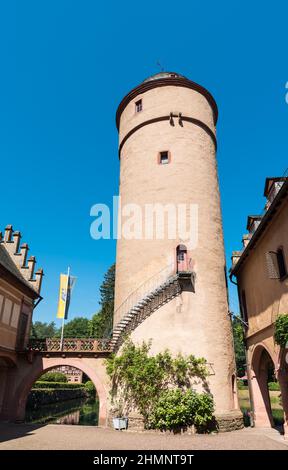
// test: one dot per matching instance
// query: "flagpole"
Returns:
(63, 319)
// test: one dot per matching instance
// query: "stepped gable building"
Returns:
(20, 289)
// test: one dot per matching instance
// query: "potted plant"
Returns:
(120, 421)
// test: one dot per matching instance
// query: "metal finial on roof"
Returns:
(158, 63)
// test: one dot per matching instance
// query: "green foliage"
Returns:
(102, 322)
(57, 385)
(144, 382)
(79, 327)
(274, 386)
(41, 330)
(281, 330)
(239, 347)
(40, 396)
(90, 387)
(241, 385)
(100, 325)
(54, 377)
(177, 408)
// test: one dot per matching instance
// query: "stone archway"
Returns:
(42, 364)
(260, 364)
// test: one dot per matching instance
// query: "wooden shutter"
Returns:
(272, 265)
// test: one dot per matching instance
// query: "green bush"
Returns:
(274, 386)
(159, 387)
(180, 408)
(281, 330)
(90, 387)
(57, 385)
(54, 377)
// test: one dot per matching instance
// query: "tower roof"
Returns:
(159, 75)
(163, 79)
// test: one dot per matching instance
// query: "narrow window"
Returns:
(138, 106)
(164, 158)
(22, 328)
(244, 310)
(281, 263)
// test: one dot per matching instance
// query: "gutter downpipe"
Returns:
(38, 302)
(244, 324)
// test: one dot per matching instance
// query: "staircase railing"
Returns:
(148, 286)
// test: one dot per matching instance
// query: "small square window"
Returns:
(138, 106)
(164, 158)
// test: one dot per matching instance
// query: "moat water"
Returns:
(80, 411)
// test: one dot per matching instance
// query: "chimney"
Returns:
(246, 239)
(20, 258)
(8, 233)
(38, 280)
(235, 257)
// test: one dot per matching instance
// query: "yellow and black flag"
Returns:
(66, 285)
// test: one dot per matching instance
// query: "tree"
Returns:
(53, 377)
(79, 327)
(43, 330)
(239, 347)
(102, 322)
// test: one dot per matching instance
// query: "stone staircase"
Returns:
(149, 303)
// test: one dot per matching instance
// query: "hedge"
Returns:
(54, 377)
(58, 385)
(274, 386)
(39, 397)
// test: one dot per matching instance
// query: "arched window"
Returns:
(181, 254)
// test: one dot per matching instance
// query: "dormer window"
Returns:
(138, 106)
(253, 223)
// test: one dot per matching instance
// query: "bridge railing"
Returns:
(69, 345)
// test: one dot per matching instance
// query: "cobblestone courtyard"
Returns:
(50, 437)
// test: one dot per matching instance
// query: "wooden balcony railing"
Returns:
(78, 345)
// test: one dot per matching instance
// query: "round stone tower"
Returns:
(169, 289)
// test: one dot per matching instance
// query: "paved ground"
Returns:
(52, 436)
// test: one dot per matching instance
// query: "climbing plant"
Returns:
(159, 386)
(281, 330)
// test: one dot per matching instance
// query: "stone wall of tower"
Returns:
(196, 323)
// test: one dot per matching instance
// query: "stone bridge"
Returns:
(88, 355)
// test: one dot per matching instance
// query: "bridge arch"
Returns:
(41, 365)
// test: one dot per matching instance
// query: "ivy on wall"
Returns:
(281, 330)
(159, 387)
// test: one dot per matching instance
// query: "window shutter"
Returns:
(272, 265)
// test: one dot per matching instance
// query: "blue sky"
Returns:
(65, 66)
